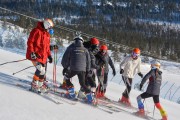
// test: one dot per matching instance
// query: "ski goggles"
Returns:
(94, 47)
(135, 55)
(103, 51)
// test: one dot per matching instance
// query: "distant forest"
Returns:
(126, 22)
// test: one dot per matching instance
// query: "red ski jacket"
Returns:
(39, 43)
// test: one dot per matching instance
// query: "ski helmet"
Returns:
(94, 41)
(103, 47)
(79, 38)
(155, 64)
(135, 53)
(48, 23)
(136, 50)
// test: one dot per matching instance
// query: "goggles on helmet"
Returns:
(135, 55)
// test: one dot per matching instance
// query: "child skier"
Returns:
(103, 60)
(153, 89)
(128, 68)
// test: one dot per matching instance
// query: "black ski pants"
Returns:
(81, 76)
(147, 95)
(128, 84)
(91, 81)
(102, 82)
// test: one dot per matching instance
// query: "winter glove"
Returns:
(52, 47)
(141, 75)
(90, 73)
(64, 71)
(33, 56)
(114, 72)
(121, 71)
(50, 59)
(140, 87)
(55, 47)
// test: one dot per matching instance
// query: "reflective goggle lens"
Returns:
(134, 55)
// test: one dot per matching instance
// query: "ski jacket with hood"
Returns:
(87, 45)
(155, 79)
(39, 43)
(76, 57)
(130, 66)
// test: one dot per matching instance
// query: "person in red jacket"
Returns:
(38, 50)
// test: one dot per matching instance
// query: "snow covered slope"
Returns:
(19, 104)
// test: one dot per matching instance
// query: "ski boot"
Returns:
(34, 86)
(141, 113)
(71, 93)
(90, 99)
(125, 101)
(63, 85)
(164, 118)
(81, 94)
(42, 87)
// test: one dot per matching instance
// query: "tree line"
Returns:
(123, 21)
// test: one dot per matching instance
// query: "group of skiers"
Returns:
(88, 60)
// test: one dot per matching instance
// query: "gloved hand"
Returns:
(121, 71)
(50, 59)
(52, 47)
(141, 75)
(55, 47)
(33, 56)
(64, 71)
(140, 87)
(114, 72)
(89, 73)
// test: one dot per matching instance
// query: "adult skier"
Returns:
(76, 61)
(153, 89)
(38, 50)
(103, 59)
(128, 68)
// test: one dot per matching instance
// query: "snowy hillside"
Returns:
(19, 104)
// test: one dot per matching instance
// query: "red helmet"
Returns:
(136, 50)
(103, 47)
(135, 53)
(94, 41)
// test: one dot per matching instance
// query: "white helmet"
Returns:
(79, 38)
(48, 23)
(155, 64)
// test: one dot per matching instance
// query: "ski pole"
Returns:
(22, 70)
(12, 61)
(153, 111)
(112, 78)
(146, 104)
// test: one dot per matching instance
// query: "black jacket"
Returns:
(104, 60)
(76, 57)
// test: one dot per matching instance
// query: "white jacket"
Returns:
(130, 66)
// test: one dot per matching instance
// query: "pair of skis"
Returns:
(124, 108)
